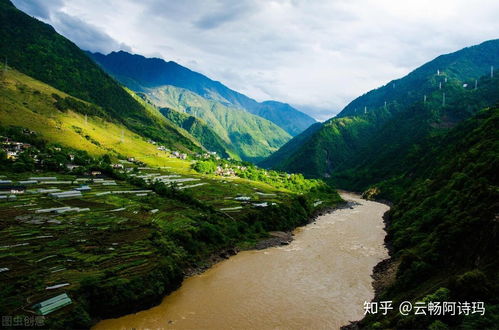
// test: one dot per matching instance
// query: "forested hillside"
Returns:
(201, 131)
(390, 153)
(37, 50)
(443, 227)
(250, 136)
(345, 138)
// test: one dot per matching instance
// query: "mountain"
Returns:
(443, 228)
(140, 73)
(250, 136)
(61, 119)
(201, 131)
(37, 50)
(342, 141)
(280, 155)
(433, 152)
(131, 236)
(384, 156)
(241, 134)
(465, 65)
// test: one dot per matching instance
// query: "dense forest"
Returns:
(443, 226)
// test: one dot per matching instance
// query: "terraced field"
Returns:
(51, 245)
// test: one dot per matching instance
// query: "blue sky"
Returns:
(316, 55)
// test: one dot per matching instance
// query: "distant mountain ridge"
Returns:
(138, 72)
(250, 136)
(342, 141)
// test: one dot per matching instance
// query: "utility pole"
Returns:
(365, 109)
(385, 105)
(438, 72)
(443, 99)
(440, 85)
(424, 99)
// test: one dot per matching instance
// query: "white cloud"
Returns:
(315, 54)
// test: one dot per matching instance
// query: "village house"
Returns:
(224, 171)
(176, 154)
(13, 148)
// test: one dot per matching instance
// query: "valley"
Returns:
(136, 192)
(283, 285)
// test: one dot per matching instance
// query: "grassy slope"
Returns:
(252, 137)
(201, 131)
(28, 103)
(36, 49)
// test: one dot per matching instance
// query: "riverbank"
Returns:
(277, 238)
(321, 279)
(166, 277)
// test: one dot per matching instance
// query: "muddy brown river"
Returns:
(319, 281)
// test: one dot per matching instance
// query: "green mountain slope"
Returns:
(29, 103)
(201, 131)
(295, 143)
(139, 73)
(443, 228)
(36, 49)
(347, 137)
(252, 137)
(464, 65)
(383, 157)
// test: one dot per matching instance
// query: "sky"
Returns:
(317, 55)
